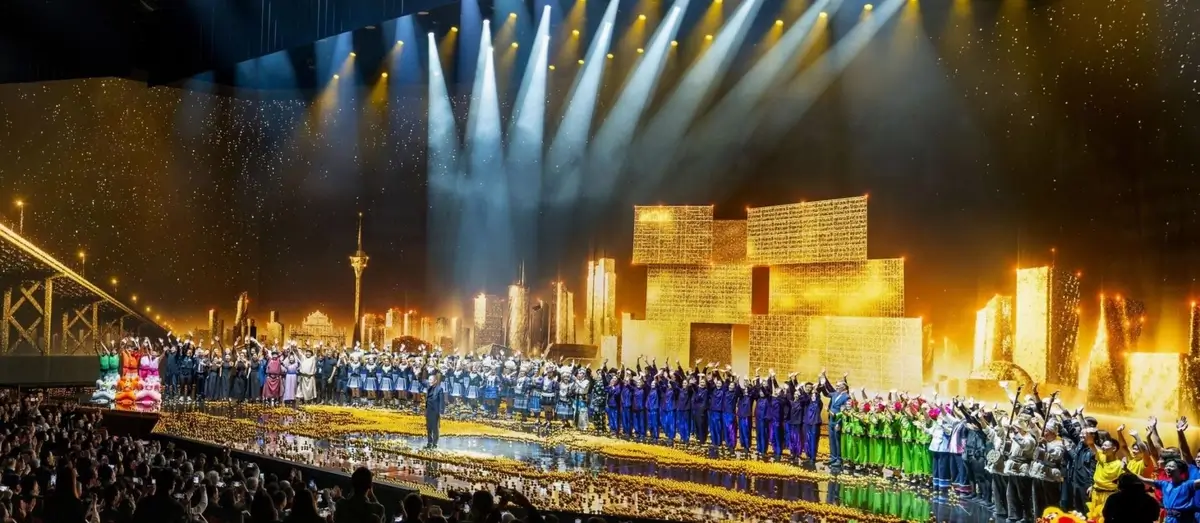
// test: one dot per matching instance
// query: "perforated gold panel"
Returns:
(653, 339)
(857, 288)
(729, 241)
(1063, 367)
(784, 343)
(1154, 384)
(993, 332)
(1191, 363)
(672, 234)
(810, 232)
(878, 353)
(712, 342)
(698, 293)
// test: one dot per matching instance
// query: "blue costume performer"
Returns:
(699, 408)
(728, 420)
(716, 402)
(812, 424)
(743, 411)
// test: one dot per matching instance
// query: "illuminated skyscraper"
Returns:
(427, 330)
(601, 313)
(1190, 378)
(372, 329)
(489, 314)
(518, 317)
(993, 332)
(358, 262)
(562, 314)
(215, 326)
(410, 320)
(393, 323)
(1047, 325)
(274, 328)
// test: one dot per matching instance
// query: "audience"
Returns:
(58, 464)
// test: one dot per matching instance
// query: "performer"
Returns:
(839, 396)
(187, 372)
(743, 411)
(308, 377)
(435, 405)
(226, 374)
(626, 404)
(762, 403)
(795, 422)
(652, 405)
(241, 380)
(638, 414)
(783, 410)
(699, 396)
(582, 392)
(666, 407)
(171, 367)
(683, 406)
(729, 413)
(273, 386)
(716, 402)
(258, 373)
(106, 384)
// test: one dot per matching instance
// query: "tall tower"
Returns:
(518, 315)
(358, 262)
(601, 300)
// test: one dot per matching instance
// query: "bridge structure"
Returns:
(51, 310)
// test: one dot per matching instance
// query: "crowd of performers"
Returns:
(1015, 459)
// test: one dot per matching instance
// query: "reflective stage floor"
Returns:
(566, 469)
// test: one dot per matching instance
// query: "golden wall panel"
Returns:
(698, 293)
(729, 241)
(809, 232)
(653, 339)
(993, 332)
(855, 288)
(1064, 353)
(1153, 385)
(711, 342)
(1191, 362)
(672, 234)
(784, 343)
(1117, 335)
(877, 353)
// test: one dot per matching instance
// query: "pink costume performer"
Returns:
(273, 388)
(289, 380)
(150, 392)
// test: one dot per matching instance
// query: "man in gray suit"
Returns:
(435, 405)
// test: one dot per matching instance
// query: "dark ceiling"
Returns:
(165, 41)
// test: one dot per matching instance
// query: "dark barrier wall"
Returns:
(49, 370)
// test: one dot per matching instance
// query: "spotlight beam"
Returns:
(617, 131)
(444, 173)
(663, 135)
(525, 135)
(571, 138)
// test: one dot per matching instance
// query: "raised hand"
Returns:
(1182, 424)
(1121, 428)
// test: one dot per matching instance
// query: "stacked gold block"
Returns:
(829, 306)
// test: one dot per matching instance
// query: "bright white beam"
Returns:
(443, 137)
(571, 138)
(661, 137)
(617, 131)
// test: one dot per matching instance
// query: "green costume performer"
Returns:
(875, 443)
(924, 456)
(908, 464)
(853, 450)
(891, 441)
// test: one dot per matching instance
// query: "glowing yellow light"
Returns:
(581, 62)
(454, 29)
(642, 17)
(610, 56)
(384, 75)
(114, 281)
(575, 32)
(147, 310)
(135, 298)
(708, 37)
(778, 23)
(399, 42)
(82, 254)
(512, 15)
(868, 7)
(514, 45)
(335, 77)
(552, 68)
(674, 43)
(353, 54)
(824, 14)
(640, 50)
(20, 203)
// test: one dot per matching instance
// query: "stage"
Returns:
(561, 470)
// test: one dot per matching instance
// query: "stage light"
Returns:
(514, 45)
(640, 50)
(642, 17)
(824, 14)
(454, 29)
(575, 32)
(512, 16)
(779, 23)
(552, 68)
(580, 62)
(335, 77)
(399, 42)
(610, 56)
(708, 37)
(353, 54)
(384, 75)
(868, 7)
(674, 43)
